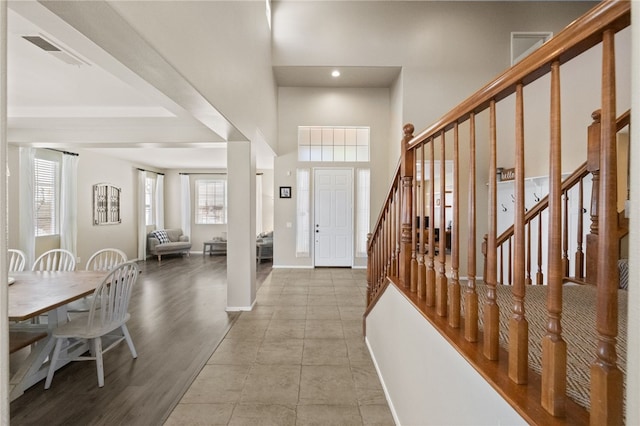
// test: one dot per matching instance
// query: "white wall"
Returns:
(447, 50)
(426, 381)
(95, 168)
(325, 107)
(436, 75)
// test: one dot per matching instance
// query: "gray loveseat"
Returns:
(167, 241)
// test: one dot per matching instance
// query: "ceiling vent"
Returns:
(49, 47)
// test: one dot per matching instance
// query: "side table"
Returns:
(214, 247)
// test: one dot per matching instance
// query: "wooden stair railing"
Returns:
(403, 253)
(533, 219)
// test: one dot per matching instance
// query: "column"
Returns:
(241, 226)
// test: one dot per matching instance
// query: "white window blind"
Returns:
(333, 144)
(148, 201)
(211, 201)
(46, 196)
(303, 214)
(363, 181)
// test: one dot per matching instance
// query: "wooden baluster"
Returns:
(454, 286)
(390, 248)
(606, 377)
(484, 248)
(379, 249)
(539, 274)
(471, 297)
(491, 310)
(431, 272)
(398, 237)
(393, 271)
(387, 250)
(442, 281)
(383, 245)
(501, 248)
(370, 263)
(527, 280)
(518, 324)
(593, 166)
(406, 174)
(565, 234)
(414, 214)
(579, 271)
(509, 262)
(375, 269)
(554, 348)
(422, 269)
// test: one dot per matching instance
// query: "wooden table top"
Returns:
(35, 293)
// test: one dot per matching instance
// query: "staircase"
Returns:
(444, 285)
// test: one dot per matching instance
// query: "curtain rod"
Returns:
(64, 152)
(212, 173)
(150, 171)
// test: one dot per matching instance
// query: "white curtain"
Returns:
(69, 203)
(259, 204)
(159, 202)
(185, 220)
(142, 222)
(303, 213)
(27, 231)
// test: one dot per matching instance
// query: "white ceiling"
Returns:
(101, 105)
(109, 107)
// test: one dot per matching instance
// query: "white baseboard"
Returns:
(384, 386)
(240, 308)
(292, 267)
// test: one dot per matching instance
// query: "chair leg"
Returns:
(52, 363)
(97, 348)
(127, 337)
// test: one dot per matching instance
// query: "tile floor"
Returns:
(299, 358)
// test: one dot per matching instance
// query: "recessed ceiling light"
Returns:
(335, 73)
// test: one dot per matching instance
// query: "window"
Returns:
(148, 201)
(333, 144)
(46, 196)
(303, 213)
(211, 201)
(362, 220)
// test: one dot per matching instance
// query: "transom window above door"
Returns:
(333, 144)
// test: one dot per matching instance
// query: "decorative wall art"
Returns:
(285, 192)
(106, 204)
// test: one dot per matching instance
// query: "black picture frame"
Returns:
(285, 192)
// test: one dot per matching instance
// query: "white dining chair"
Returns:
(17, 260)
(55, 260)
(106, 259)
(102, 260)
(107, 314)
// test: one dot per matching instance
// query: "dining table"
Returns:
(36, 293)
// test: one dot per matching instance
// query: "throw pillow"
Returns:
(161, 236)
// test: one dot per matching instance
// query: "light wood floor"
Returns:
(177, 319)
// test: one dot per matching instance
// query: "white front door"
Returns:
(333, 226)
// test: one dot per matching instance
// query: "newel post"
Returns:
(407, 165)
